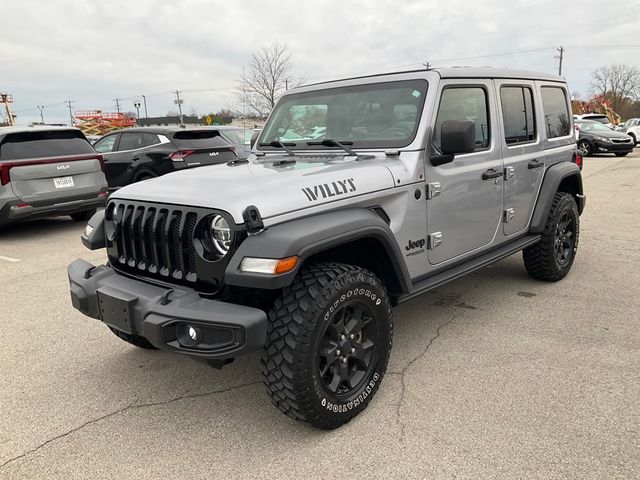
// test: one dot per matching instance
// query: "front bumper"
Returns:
(601, 147)
(224, 330)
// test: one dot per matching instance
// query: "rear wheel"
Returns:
(552, 258)
(328, 342)
(83, 216)
(135, 340)
(622, 154)
(585, 147)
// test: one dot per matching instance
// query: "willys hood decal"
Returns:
(274, 189)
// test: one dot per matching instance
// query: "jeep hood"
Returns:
(274, 189)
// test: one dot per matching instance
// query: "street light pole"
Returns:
(144, 100)
(41, 108)
(136, 104)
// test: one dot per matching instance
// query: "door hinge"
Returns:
(433, 240)
(509, 213)
(433, 190)
(508, 172)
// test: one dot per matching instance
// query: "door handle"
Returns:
(534, 164)
(491, 173)
(135, 158)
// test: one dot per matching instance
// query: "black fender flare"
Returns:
(308, 236)
(553, 178)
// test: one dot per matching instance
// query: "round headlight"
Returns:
(220, 234)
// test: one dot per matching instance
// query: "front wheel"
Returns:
(622, 154)
(585, 148)
(328, 343)
(552, 257)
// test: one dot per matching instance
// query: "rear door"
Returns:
(201, 147)
(120, 164)
(466, 214)
(521, 151)
(45, 167)
(107, 146)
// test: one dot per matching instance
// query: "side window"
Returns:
(464, 103)
(106, 144)
(130, 141)
(518, 116)
(556, 112)
(150, 139)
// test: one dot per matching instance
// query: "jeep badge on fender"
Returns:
(301, 250)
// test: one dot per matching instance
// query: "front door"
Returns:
(523, 156)
(466, 214)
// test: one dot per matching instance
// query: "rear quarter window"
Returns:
(557, 121)
(41, 144)
(198, 139)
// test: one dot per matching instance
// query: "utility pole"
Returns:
(178, 101)
(561, 56)
(144, 100)
(41, 108)
(71, 122)
(117, 100)
(427, 65)
(136, 104)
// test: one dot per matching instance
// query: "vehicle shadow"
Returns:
(44, 226)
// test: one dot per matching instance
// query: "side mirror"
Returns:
(456, 136)
(254, 138)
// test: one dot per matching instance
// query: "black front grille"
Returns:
(154, 239)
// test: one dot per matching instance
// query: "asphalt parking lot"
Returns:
(492, 376)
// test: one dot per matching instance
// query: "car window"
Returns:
(518, 116)
(150, 139)
(130, 141)
(43, 143)
(380, 115)
(235, 136)
(464, 103)
(556, 112)
(106, 144)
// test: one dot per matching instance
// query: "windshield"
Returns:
(598, 118)
(379, 115)
(593, 126)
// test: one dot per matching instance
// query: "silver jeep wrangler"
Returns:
(359, 194)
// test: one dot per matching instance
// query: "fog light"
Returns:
(192, 333)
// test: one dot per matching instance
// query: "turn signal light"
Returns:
(269, 266)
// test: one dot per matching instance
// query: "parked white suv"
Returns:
(632, 128)
(596, 117)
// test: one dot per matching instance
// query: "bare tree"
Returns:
(618, 83)
(269, 74)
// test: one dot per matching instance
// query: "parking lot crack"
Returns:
(134, 406)
(402, 373)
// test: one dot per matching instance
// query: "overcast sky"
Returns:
(92, 52)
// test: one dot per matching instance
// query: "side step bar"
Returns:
(451, 273)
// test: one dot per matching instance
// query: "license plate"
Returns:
(63, 182)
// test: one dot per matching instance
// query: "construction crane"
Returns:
(97, 122)
(7, 100)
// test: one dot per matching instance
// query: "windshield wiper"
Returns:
(279, 144)
(330, 142)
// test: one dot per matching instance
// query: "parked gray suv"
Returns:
(417, 179)
(47, 171)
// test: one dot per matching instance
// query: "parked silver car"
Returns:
(47, 171)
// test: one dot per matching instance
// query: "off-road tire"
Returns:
(622, 154)
(135, 340)
(83, 216)
(540, 259)
(297, 322)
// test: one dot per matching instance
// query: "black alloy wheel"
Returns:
(347, 349)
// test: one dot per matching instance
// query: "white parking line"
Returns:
(9, 259)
